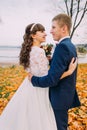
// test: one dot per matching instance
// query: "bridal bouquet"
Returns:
(48, 49)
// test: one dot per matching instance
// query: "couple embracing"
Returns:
(43, 99)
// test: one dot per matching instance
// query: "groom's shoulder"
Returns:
(61, 49)
(69, 47)
(62, 46)
(67, 43)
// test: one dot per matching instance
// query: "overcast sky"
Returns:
(15, 15)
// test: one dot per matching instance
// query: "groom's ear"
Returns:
(64, 28)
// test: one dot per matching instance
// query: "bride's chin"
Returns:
(44, 40)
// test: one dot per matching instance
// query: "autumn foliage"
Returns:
(11, 78)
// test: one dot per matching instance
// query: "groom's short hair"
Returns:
(63, 19)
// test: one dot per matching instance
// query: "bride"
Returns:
(30, 108)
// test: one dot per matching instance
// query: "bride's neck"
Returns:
(36, 44)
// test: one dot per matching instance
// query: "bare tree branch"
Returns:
(81, 18)
(71, 8)
(73, 28)
(76, 9)
(66, 6)
(59, 7)
(55, 8)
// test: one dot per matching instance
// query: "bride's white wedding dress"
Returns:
(30, 108)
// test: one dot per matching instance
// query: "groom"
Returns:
(63, 95)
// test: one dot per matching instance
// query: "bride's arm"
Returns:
(72, 67)
(42, 63)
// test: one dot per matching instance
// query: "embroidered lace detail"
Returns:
(38, 62)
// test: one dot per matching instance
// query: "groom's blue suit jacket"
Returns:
(63, 94)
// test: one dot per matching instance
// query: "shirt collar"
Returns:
(63, 39)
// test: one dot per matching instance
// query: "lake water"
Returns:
(11, 54)
(82, 59)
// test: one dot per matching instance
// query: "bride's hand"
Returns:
(29, 76)
(72, 65)
(49, 58)
(71, 69)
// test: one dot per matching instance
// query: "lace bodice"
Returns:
(38, 62)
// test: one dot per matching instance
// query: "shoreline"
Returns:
(7, 64)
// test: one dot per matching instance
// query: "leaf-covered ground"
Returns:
(11, 78)
(78, 116)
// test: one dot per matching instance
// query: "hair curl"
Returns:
(24, 57)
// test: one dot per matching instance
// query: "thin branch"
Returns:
(71, 9)
(66, 6)
(81, 18)
(85, 9)
(76, 14)
(62, 9)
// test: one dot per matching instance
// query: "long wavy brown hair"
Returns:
(24, 57)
